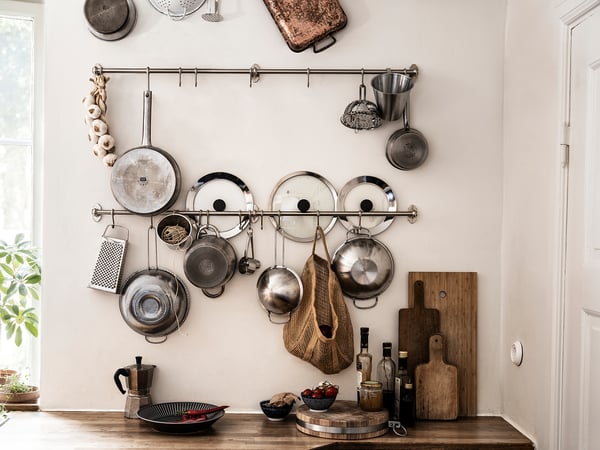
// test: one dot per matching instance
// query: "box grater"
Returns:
(107, 271)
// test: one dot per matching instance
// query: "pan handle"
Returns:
(147, 119)
(279, 323)
(365, 307)
(150, 341)
(214, 294)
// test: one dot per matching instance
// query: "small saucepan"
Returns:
(210, 262)
(364, 267)
(406, 148)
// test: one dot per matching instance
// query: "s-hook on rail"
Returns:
(411, 213)
(254, 72)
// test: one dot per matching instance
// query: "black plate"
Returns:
(165, 417)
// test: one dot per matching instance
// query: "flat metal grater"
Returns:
(109, 265)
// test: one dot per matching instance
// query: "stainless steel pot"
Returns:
(146, 180)
(109, 20)
(364, 266)
(279, 288)
(154, 303)
(210, 262)
(406, 148)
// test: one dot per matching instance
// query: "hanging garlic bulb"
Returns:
(107, 142)
(109, 160)
(99, 127)
(94, 111)
(99, 151)
(92, 136)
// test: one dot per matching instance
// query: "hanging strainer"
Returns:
(361, 114)
(177, 9)
(107, 271)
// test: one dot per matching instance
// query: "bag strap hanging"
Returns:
(319, 232)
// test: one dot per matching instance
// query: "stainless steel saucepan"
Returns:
(210, 262)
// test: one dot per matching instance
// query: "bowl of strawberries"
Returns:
(321, 397)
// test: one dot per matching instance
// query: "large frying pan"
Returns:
(146, 180)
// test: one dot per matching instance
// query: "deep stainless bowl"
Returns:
(364, 267)
(279, 290)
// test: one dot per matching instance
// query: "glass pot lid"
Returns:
(366, 193)
(303, 191)
(221, 191)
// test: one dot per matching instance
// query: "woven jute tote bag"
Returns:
(320, 329)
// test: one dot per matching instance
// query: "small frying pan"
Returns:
(146, 180)
(406, 148)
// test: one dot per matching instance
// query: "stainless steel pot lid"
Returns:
(366, 193)
(154, 302)
(220, 191)
(109, 20)
(303, 191)
(145, 181)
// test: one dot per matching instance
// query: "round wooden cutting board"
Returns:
(344, 420)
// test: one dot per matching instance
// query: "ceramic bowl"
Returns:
(275, 413)
(318, 404)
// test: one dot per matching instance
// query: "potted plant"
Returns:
(16, 390)
(20, 282)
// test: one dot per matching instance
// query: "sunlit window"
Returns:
(19, 153)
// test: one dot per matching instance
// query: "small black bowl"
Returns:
(318, 404)
(275, 413)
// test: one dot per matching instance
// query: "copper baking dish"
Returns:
(307, 23)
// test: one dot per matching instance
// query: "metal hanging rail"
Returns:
(254, 71)
(411, 213)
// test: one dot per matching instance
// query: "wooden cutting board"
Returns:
(343, 420)
(415, 325)
(436, 385)
(454, 295)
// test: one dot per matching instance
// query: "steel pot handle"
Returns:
(202, 230)
(214, 294)
(365, 307)
(150, 341)
(279, 323)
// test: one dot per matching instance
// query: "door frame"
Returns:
(570, 13)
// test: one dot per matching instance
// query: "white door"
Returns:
(581, 371)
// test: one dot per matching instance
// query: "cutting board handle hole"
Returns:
(443, 294)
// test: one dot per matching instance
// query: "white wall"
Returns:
(227, 351)
(529, 251)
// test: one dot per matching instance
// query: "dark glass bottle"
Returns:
(386, 374)
(407, 406)
(400, 381)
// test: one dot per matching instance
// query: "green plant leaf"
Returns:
(31, 328)
(18, 337)
(19, 237)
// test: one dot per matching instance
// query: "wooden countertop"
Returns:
(46, 430)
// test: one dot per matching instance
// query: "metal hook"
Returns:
(195, 77)
(262, 215)
(318, 218)
(362, 76)
(112, 217)
(148, 76)
(180, 77)
(308, 77)
(207, 217)
(360, 218)
(240, 220)
(254, 74)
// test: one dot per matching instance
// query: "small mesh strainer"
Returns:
(361, 114)
(177, 9)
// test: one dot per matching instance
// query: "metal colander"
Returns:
(177, 9)
(109, 265)
(361, 114)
